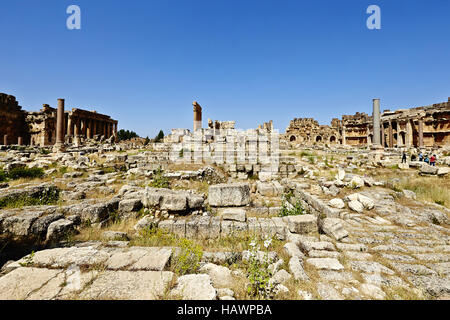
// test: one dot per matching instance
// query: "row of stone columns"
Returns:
(90, 127)
(5, 140)
(408, 140)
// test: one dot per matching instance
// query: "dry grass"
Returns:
(427, 188)
(95, 234)
(199, 186)
(185, 166)
(401, 293)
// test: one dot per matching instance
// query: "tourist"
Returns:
(413, 157)
(433, 160)
(420, 156)
(404, 157)
(427, 160)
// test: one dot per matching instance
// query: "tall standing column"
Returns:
(369, 141)
(89, 128)
(5, 139)
(344, 136)
(76, 127)
(69, 126)
(60, 122)
(420, 133)
(383, 137)
(391, 135)
(409, 134)
(19, 141)
(376, 122)
(197, 116)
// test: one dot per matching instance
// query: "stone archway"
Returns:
(332, 139)
(319, 139)
(292, 138)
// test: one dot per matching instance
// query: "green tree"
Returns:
(126, 134)
(160, 136)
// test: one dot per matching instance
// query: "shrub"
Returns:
(288, 209)
(63, 170)
(3, 176)
(30, 173)
(159, 181)
(188, 260)
(48, 197)
(258, 271)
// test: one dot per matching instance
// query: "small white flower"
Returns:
(253, 244)
(267, 243)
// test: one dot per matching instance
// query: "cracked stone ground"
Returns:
(361, 241)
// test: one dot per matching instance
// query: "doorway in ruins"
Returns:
(318, 139)
(292, 138)
(332, 140)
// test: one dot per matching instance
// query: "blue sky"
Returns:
(145, 62)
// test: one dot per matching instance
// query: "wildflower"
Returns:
(267, 243)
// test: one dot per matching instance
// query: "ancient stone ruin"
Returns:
(41, 128)
(318, 212)
(427, 126)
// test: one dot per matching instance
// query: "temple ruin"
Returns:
(39, 128)
(426, 126)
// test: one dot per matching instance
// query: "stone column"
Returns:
(376, 122)
(5, 139)
(383, 137)
(344, 136)
(391, 135)
(19, 141)
(88, 128)
(115, 129)
(85, 128)
(60, 122)
(94, 127)
(76, 128)
(69, 125)
(197, 116)
(409, 133)
(420, 133)
(76, 131)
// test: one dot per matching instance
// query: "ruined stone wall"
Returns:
(39, 128)
(308, 131)
(12, 120)
(42, 126)
(427, 126)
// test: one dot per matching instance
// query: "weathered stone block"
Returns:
(301, 224)
(229, 195)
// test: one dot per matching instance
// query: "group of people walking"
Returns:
(430, 160)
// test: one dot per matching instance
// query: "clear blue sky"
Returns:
(145, 62)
